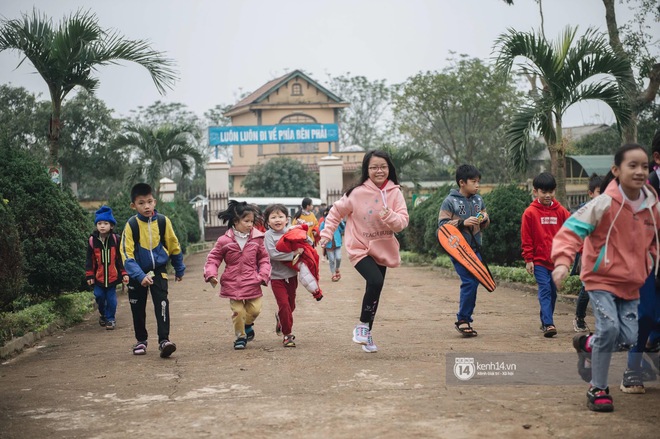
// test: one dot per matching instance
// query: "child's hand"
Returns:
(472, 221)
(90, 282)
(323, 242)
(178, 278)
(559, 274)
(147, 281)
(213, 281)
(125, 279)
(384, 212)
(530, 268)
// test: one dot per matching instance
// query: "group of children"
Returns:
(615, 236)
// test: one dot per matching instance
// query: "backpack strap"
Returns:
(162, 223)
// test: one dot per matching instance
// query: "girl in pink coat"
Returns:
(247, 268)
(374, 210)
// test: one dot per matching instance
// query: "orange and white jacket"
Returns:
(620, 246)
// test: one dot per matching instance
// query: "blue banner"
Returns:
(262, 134)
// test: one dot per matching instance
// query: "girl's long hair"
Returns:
(365, 168)
(618, 159)
(237, 210)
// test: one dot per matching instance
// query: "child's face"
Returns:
(104, 227)
(379, 170)
(277, 221)
(470, 186)
(544, 197)
(633, 171)
(145, 205)
(244, 225)
(595, 193)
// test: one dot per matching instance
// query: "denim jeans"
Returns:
(582, 303)
(648, 313)
(616, 330)
(547, 294)
(468, 292)
(334, 259)
(106, 300)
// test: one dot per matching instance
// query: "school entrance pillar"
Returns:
(330, 177)
(217, 177)
(166, 190)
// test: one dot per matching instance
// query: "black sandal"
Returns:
(465, 328)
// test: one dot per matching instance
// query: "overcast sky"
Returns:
(223, 48)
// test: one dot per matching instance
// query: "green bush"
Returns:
(11, 257)
(52, 226)
(501, 240)
(421, 234)
(66, 310)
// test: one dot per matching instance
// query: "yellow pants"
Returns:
(244, 312)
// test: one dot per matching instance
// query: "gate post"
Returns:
(330, 176)
(217, 176)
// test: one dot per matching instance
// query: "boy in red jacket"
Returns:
(540, 223)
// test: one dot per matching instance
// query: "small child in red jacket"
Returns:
(540, 223)
(247, 268)
(104, 268)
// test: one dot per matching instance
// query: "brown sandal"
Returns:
(465, 328)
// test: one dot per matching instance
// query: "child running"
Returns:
(247, 268)
(579, 323)
(540, 223)
(333, 248)
(466, 210)
(104, 268)
(619, 234)
(374, 210)
(284, 279)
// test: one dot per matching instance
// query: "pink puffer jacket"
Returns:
(245, 270)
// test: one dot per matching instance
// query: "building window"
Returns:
(297, 148)
(296, 90)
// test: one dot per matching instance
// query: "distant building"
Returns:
(573, 134)
(293, 98)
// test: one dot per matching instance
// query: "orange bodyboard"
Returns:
(455, 245)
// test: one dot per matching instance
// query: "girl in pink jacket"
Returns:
(247, 268)
(374, 210)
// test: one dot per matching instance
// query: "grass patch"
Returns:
(65, 310)
(519, 275)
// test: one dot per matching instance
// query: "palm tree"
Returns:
(567, 71)
(66, 56)
(406, 156)
(166, 149)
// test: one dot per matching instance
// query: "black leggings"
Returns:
(374, 274)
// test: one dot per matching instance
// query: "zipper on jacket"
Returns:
(151, 245)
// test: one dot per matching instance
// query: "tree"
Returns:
(634, 48)
(458, 115)
(406, 157)
(66, 56)
(21, 121)
(167, 149)
(87, 154)
(281, 177)
(567, 71)
(364, 123)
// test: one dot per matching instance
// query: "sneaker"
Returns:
(599, 400)
(361, 334)
(110, 325)
(584, 357)
(579, 325)
(140, 348)
(632, 382)
(370, 347)
(249, 332)
(288, 341)
(166, 348)
(278, 325)
(240, 343)
(102, 321)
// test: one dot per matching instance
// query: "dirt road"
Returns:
(85, 382)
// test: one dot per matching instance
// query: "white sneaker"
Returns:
(361, 334)
(370, 347)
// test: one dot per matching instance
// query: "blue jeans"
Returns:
(468, 294)
(106, 299)
(648, 314)
(616, 330)
(334, 258)
(582, 303)
(547, 294)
